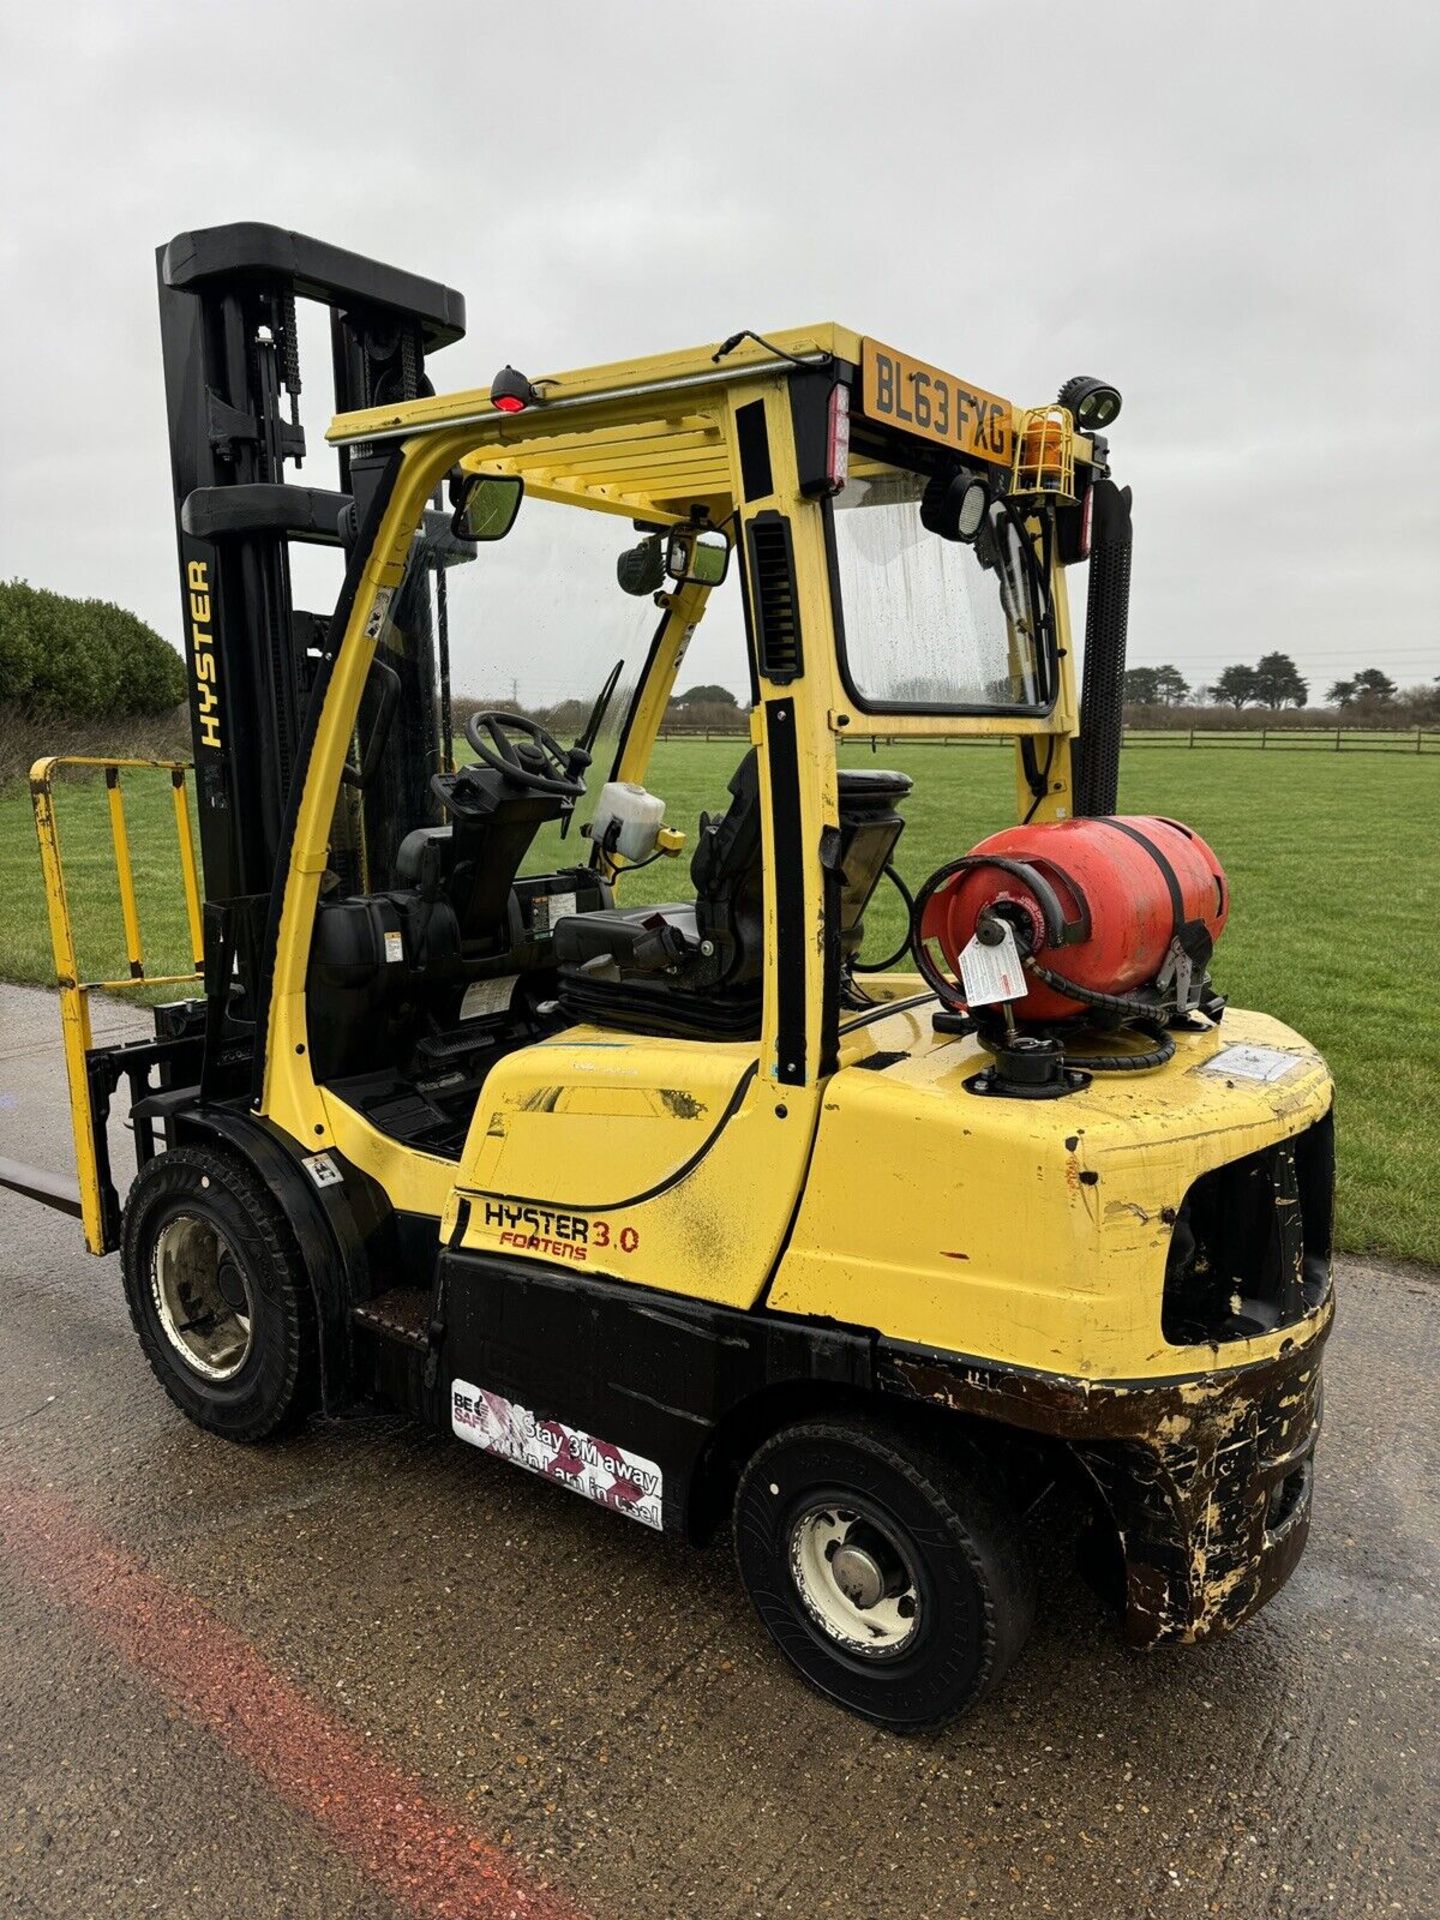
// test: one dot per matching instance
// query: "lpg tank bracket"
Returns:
(1027, 1067)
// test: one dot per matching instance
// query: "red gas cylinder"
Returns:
(1103, 899)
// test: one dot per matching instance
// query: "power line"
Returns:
(1316, 653)
(1370, 659)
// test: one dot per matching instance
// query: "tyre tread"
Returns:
(297, 1395)
(966, 1497)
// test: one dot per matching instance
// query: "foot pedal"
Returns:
(438, 1048)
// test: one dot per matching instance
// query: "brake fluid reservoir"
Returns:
(627, 820)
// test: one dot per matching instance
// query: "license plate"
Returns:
(922, 399)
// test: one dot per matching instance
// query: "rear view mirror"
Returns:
(486, 506)
(701, 554)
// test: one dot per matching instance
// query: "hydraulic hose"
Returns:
(891, 959)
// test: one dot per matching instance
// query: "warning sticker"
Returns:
(992, 973)
(379, 613)
(549, 908)
(607, 1474)
(394, 946)
(1253, 1063)
(488, 996)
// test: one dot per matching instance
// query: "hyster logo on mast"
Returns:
(202, 651)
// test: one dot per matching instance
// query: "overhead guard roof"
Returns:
(643, 438)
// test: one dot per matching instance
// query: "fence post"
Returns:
(1192, 736)
(1264, 738)
(1337, 737)
(1417, 739)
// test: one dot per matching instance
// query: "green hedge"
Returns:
(82, 659)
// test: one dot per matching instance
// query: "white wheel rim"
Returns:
(855, 1581)
(201, 1297)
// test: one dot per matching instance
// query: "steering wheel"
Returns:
(526, 754)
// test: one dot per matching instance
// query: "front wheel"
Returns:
(892, 1576)
(218, 1294)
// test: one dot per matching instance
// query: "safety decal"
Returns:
(1253, 1063)
(609, 1475)
(379, 613)
(488, 996)
(550, 907)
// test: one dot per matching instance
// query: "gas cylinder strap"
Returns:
(1157, 854)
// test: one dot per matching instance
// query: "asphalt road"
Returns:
(371, 1673)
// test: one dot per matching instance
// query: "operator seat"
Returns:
(694, 969)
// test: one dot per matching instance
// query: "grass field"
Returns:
(1334, 864)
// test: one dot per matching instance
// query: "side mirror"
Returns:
(486, 505)
(701, 554)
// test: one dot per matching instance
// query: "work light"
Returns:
(1094, 403)
(641, 569)
(954, 505)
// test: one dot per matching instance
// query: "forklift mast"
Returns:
(232, 362)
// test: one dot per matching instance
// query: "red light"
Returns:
(1087, 512)
(837, 449)
(510, 391)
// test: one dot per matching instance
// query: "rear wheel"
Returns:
(218, 1294)
(893, 1577)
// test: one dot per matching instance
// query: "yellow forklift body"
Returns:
(1034, 1230)
(1031, 1234)
(838, 1197)
(662, 1162)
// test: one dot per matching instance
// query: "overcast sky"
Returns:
(1228, 209)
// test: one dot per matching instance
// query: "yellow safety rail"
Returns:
(75, 992)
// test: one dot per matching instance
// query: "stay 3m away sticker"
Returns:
(609, 1475)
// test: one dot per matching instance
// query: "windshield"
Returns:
(932, 624)
(536, 624)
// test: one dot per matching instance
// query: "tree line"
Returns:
(1275, 682)
(707, 709)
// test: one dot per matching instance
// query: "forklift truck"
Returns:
(692, 1207)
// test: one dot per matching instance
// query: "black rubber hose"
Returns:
(1107, 618)
(891, 959)
(1157, 1056)
(1089, 996)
